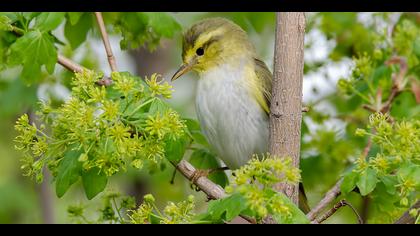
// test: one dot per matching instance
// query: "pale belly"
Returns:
(234, 124)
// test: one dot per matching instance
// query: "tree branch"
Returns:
(332, 194)
(286, 102)
(76, 68)
(105, 39)
(212, 190)
(69, 64)
(335, 208)
(406, 218)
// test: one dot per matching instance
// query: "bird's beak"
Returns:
(182, 70)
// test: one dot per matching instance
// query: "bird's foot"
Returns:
(198, 174)
(205, 173)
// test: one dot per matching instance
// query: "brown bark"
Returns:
(286, 103)
(406, 218)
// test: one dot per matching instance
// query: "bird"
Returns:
(233, 90)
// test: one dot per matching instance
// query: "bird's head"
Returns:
(212, 42)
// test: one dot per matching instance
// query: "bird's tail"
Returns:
(303, 201)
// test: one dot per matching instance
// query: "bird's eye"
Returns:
(200, 51)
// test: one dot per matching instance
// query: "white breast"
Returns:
(233, 122)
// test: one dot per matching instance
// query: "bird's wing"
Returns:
(265, 78)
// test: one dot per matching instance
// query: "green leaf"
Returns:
(68, 172)
(5, 23)
(192, 124)
(296, 215)
(202, 159)
(390, 183)
(21, 95)
(383, 199)
(410, 171)
(140, 28)
(349, 182)
(47, 21)
(175, 149)
(416, 47)
(162, 23)
(30, 15)
(31, 72)
(404, 106)
(158, 106)
(94, 182)
(75, 16)
(195, 131)
(33, 50)
(226, 208)
(367, 181)
(76, 33)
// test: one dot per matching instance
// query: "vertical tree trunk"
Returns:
(286, 103)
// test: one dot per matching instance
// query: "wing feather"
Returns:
(265, 78)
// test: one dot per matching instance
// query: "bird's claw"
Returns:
(198, 174)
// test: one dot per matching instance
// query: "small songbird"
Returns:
(233, 93)
(234, 89)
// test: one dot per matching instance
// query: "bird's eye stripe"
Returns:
(210, 41)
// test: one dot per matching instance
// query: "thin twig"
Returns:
(332, 194)
(367, 148)
(69, 64)
(359, 219)
(105, 39)
(335, 191)
(335, 208)
(76, 68)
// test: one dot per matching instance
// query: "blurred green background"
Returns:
(332, 39)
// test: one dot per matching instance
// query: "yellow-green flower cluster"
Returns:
(396, 163)
(363, 66)
(143, 213)
(267, 171)
(33, 143)
(125, 84)
(255, 181)
(398, 140)
(111, 127)
(159, 87)
(167, 124)
(180, 213)
(84, 86)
